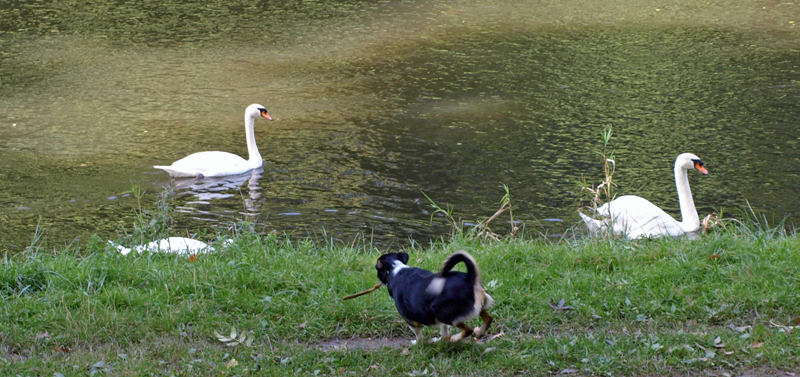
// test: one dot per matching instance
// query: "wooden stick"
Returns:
(363, 293)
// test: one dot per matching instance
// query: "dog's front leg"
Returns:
(418, 332)
(445, 333)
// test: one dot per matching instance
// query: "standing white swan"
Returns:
(217, 164)
(636, 217)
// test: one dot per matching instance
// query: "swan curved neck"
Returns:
(252, 149)
(690, 221)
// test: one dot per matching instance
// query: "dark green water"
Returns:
(378, 101)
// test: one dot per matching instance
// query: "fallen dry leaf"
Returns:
(756, 345)
(713, 257)
(43, 335)
(303, 325)
(232, 363)
(701, 347)
(496, 335)
(405, 352)
(568, 371)
(64, 349)
(739, 328)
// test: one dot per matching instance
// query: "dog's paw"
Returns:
(457, 337)
(478, 333)
(439, 339)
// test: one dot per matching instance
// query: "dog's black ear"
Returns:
(404, 258)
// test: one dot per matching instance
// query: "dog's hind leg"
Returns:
(418, 332)
(487, 321)
(465, 332)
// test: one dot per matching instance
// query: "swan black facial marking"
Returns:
(698, 162)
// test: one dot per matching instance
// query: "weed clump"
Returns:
(481, 229)
(149, 224)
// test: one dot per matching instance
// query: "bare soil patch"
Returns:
(360, 343)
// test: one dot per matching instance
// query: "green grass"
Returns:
(649, 307)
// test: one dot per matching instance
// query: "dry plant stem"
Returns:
(606, 187)
(363, 292)
(481, 230)
(505, 203)
(353, 244)
(486, 232)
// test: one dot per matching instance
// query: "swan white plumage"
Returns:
(635, 217)
(218, 164)
(177, 245)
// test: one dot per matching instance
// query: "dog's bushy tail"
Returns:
(473, 273)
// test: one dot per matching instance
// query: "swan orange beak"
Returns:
(699, 166)
(265, 115)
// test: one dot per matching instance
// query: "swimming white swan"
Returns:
(177, 245)
(217, 164)
(636, 217)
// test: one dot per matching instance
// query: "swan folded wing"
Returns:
(636, 217)
(209, 164)
(178, 245)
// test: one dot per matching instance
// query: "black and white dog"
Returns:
(444, 298)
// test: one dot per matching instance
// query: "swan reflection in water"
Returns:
(208, 188)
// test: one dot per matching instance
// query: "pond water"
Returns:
(377, 102)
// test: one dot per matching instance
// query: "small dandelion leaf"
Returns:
(236, 338)
(224, 339)
(560, 306)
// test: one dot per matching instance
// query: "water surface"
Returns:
(377, 102)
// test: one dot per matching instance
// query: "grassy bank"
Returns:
(651, 307)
